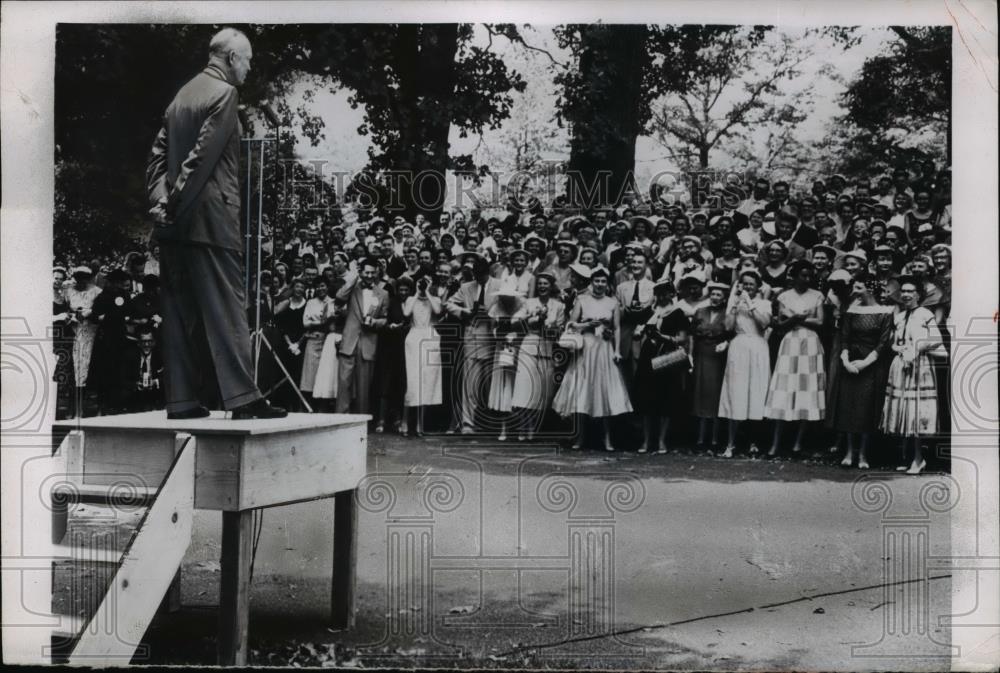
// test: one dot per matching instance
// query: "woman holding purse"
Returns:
(542, 318)
(593, 385)
(660, 390)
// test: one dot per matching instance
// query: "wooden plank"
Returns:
(234, 594)
(217, 423)
(71, 453)
(147, 569)
(293, 467)
(134, 456)
(217, 467)
(345, 553)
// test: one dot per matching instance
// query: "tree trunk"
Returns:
(602, 149)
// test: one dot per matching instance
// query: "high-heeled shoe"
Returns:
(917, 469)
(728, 453)
(847, 461)
(863, 465)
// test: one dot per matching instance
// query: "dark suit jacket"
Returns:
(194, 166)
(355, 333)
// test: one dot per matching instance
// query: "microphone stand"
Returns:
(256, 236)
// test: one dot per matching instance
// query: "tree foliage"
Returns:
(607, 93)
(903, 96)
(738, 90)
(113, 82)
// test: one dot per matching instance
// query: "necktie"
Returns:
(482, 295)
(635, 293)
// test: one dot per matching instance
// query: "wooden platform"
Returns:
(239, 466)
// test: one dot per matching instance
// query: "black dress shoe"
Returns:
(260, 408)
(197, 412)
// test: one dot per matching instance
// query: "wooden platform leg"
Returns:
(234, 596)
(345, 548)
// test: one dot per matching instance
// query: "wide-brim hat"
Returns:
(857, 253)
(600, 270)
(519, 251)
(839, 276)
(716, 285)
(570, 244)
(546, 274)
(635, 219)
(753, 272)
(883, 250)
(828, 249)
(471, 256)
(693, 277)
(663, 284)
(581, 270)
(81, 271)
(777, 242)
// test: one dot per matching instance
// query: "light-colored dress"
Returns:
(534, 381)
(85, 330)
(911, 393)
(314, 319)
(422, 351)
(501, 397)
(593, 383)
(797, 391)
(325, 385)
(748, 365)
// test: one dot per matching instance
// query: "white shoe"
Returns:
(917, 469)
(728, 453)
(846, 462)
(642, 449)
(501, 438)
(863, 465)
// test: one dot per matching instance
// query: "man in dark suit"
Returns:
(142, 374)
(193, 184)
(367, 308)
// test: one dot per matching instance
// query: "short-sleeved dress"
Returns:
(744, 384)
(709, 328)
(797, 391)
(593, 383)
(856, 399)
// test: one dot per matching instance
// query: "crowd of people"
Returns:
(758, 315)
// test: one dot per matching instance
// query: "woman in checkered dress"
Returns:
(798, 384)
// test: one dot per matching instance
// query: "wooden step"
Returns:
(92, 494)
(86, 554)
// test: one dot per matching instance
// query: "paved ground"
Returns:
(474, 553)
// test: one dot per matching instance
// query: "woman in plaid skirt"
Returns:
(798, 385)
(911, 395)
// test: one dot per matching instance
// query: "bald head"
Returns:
(230, 51)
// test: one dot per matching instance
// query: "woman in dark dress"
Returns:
(110, 343)
(390, 366)
(288, 320)
(62, 341)
(661, 394)
(711, 338)
(862, 367)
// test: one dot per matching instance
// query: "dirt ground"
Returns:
(475, 553)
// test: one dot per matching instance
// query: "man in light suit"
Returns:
(192, 180)
(472, 303)
(367, 308)
(635, 297)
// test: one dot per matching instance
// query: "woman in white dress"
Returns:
(519, 277)
(316, 318)
(80, 296)
(501, 395)
(542, 317)
(422, 351)
(593, 385)
(744, 384)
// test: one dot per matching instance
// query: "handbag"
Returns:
(506, 357)
(668, 360)
(570, 340)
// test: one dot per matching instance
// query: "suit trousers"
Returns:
(475, 388)
(204, 325)
(354, 382)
